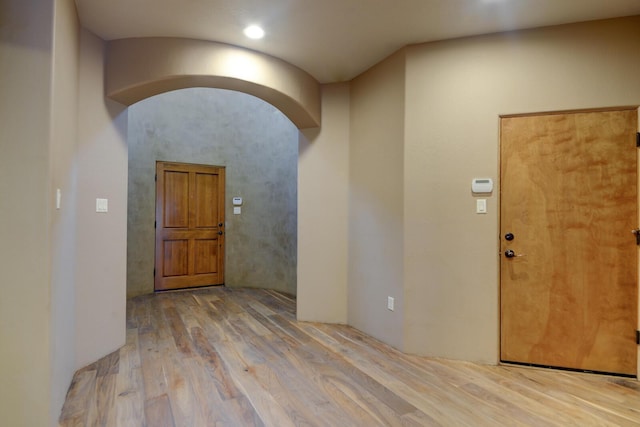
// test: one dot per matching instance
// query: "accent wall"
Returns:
(258, 146)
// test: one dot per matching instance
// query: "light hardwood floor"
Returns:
(238, 357)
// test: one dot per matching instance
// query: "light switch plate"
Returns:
(237, 210)
(102, 205)
(481, 206)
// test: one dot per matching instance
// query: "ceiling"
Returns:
(335, 40)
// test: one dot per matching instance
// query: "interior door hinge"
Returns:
(638, 337)
(156, 177)
(155, 224)
(154, 272)
(638, 139)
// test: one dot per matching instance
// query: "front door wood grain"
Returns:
(569, 197)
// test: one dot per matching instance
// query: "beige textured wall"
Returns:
(376, 210)
(63, 221)
(455, 92)
(101, 237)
(25, 84)
(323, 206)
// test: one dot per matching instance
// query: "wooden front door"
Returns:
(189, 225)
(568, 206)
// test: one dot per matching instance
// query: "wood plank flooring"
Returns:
(238, 357)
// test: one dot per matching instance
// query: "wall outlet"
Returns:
(390, 303)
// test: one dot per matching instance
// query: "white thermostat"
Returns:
(237, 201)
(482, 185)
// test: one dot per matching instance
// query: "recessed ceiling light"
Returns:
(254, 32)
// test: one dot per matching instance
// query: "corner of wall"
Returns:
(25, 213)
(101, 165)
(376, 200)
(323, 203)
(66, 39)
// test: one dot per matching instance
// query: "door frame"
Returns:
(498, 244)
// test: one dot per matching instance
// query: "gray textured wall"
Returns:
(259, 147)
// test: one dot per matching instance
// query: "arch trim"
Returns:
(142, 67)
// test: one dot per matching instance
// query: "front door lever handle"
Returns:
(509, 253)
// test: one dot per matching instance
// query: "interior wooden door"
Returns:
(568, 206)
(189, 225)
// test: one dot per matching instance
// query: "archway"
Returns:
(140, 68)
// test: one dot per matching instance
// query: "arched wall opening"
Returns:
(138, 69)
